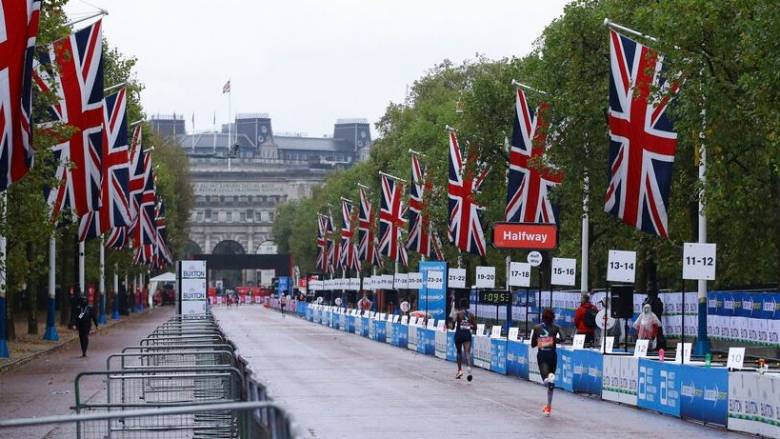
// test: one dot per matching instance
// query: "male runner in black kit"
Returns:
(545, 337)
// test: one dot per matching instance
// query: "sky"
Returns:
(304, 62)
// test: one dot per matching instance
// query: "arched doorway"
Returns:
(228, 279)
(191, 248)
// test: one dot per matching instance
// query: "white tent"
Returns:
(165, 277)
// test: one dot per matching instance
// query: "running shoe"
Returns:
(459, 375)
(546, 410)
(468, 376)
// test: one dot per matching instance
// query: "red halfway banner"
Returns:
(525, 236)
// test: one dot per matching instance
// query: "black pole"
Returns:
(539, 303)
(527, 293)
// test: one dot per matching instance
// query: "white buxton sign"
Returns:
(192, 287)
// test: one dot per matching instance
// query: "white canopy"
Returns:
(165, 277)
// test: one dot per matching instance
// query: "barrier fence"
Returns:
(744, 400)
(188, 374)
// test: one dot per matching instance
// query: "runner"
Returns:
(545, 336)
(464, 322)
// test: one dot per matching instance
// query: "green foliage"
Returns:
(723, 55)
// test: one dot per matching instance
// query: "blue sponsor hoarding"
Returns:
(658, 386)
(517, 359)
(452, 353)
(588, 371)
(704, 394)
(400, 335)
(564, 376)
(426, 341)
(433, 300)
(498, 355)
(381, 331)
(364, 325)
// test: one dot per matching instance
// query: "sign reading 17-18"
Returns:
(699, 261)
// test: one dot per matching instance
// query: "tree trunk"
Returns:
(10, 326)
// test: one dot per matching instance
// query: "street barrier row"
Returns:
(740, 400)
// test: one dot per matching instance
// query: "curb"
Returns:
(22, 361)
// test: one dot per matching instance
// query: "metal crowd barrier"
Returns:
(182, 380)
(247, 419)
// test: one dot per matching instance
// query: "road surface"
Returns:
(340, 385)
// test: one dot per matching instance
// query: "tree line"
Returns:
(27, 224)
(724, 56)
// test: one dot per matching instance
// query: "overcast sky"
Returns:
(305, 62)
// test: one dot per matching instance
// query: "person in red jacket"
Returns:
(585, 319)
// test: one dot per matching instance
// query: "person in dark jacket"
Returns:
(585, 319)
(84, 315)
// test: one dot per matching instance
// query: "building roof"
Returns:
(311, 143)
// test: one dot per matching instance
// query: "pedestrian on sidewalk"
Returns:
(585, 319)
(82, 321)
(545, 337)
(464, 322)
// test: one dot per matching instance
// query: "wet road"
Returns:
(44, 386)
(339, 385)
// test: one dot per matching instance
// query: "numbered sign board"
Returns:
(579, 341)
(698, 261)
(564, 272)
(387, 282)
(457, 278)
(519, 274)
(401, 281)
(621, 266)
(486, 277)
(640, 350)
(415, 280)
(435, 279)
(736, 358)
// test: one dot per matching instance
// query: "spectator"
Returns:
(585, 319)
(657, 306)
(647, 325)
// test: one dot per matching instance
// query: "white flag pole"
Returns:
(102, 284)
(3, 271)
(82, 287)
(585, 235)
(51, 327)
(115, 302)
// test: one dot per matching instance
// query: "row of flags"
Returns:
(103, 178)
(641, 154)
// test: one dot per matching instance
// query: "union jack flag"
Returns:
(146, 228)
(391, 217)
(113, 211)
(322, 244)
(465, 228)
(18, 31)
(78, 76)
(348, 250)
(528, 180)
(162, 256)
(117, 238)
(642, 139)
(366, 221)
(136, 184)
(331, 254)
(420, 236)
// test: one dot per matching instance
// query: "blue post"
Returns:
(51, 317)
(702, 346)
(115, 306)
(101, 319)
(3, 336)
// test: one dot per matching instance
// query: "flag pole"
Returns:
(411, 151)
(51, 327)
(100, 13)
(519, 84)
(102, 285)
(113, 87)
(347, 200)
(82, 288)
(3, 272)
(392, 176)
(115, 301)
(614, 26)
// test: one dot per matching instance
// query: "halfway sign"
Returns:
(525, 236)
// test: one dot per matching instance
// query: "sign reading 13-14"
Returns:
(621, 266)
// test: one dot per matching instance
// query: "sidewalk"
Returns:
(44, 386)
(27, 347)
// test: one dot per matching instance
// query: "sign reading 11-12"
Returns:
(699, 261)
